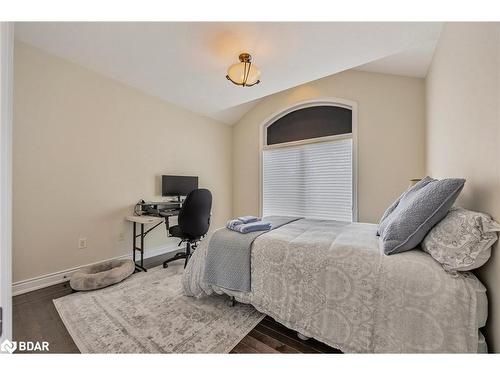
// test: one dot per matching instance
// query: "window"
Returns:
(307, 175)
(309, 123)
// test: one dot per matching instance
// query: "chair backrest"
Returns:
(194, 216)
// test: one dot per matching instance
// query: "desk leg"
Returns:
(138, 267)
(167, 225)
(142, 248)
(133, 243)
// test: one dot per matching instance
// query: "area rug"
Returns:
(147, 313)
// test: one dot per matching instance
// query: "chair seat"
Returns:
(175, 231)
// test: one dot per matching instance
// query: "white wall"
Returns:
(86, 149)
(391, 148)
(6, 65)
(463, 131)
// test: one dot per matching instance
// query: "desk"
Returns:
(143, 220)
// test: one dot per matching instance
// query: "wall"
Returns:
(86, 148)
(463, 131)
(6, 69)
(391, 149)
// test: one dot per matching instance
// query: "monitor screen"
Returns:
(172, 186)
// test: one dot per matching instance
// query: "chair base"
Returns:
(176, 257)
(186, 255)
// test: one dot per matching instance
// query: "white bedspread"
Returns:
(330, 281)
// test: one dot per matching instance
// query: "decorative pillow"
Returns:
(418, 210)
(391, 208)
(462, 240)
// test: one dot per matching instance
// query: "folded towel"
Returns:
(253, 227)
(248, 219)
(231, 224)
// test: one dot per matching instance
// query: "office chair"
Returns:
(194, 221)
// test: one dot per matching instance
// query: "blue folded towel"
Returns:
(248, 219)
(231, 224)
(253, 227)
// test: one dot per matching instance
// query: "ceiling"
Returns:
(186, 63)
(413, 62)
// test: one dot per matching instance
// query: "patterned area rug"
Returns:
(147, 313)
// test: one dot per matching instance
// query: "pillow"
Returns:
(391, 208)
(462, 240)
(419, 209)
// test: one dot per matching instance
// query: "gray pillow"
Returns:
(418, 210)
(462, 240)
(424, 181)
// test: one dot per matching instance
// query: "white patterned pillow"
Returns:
(462, 240)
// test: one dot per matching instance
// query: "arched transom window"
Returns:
(307, 163)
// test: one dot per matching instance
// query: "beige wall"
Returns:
(463, 131)
(391, 149)
(86, 148)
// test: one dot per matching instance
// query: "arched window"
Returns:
(307, 163)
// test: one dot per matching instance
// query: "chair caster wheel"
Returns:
(165, 265)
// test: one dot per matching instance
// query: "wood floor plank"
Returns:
(273, 343)
(258, 345)
(243, 348)
(297, 345)
(321, 347)
(35, 318)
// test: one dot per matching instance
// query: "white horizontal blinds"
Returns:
(311, 180)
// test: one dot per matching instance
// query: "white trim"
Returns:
(29, 285)
(6, 78)
(326, 101)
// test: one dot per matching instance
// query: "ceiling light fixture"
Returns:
(244, 73)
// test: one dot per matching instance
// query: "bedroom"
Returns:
(255, 187)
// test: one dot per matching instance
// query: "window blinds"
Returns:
(311, 180)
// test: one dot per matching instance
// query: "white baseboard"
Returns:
(29, 285)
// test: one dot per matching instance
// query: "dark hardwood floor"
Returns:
(36, 319)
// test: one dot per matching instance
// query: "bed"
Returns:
(329, 280)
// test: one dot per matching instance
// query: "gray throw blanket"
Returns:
(228, 256)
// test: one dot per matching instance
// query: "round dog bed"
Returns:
(102, 275)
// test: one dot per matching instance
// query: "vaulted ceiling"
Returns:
(186, 63)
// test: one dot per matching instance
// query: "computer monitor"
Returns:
(174, 186)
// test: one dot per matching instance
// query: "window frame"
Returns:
(334, 102)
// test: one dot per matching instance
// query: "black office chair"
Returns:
(194, 221)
